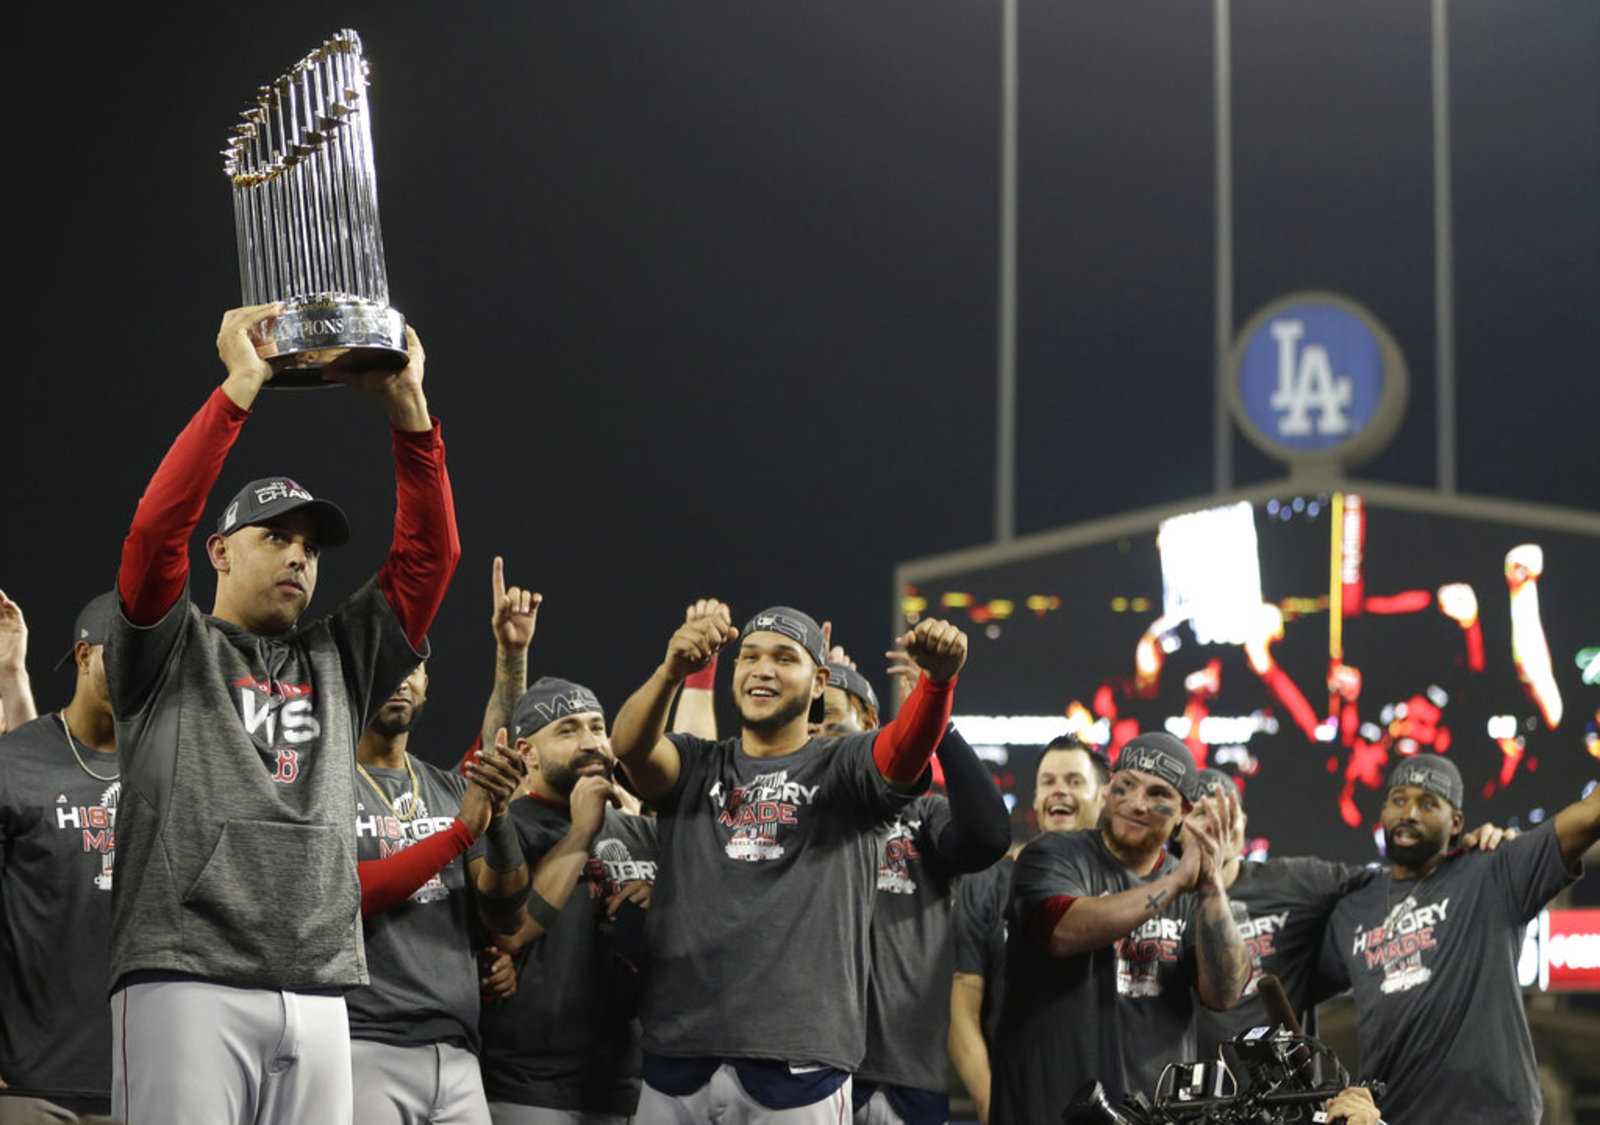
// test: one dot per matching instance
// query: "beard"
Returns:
(779, 719)
(1412, 855)
(562, 778)
(390, 727)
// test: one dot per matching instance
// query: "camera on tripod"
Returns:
(1271, 1075)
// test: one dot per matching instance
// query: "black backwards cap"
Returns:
(548, 700)
(799, 627)
(1431, 772)
(92, 625)
(262, 501)
(847, 678)
(1161, 755)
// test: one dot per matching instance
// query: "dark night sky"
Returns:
(708, 289)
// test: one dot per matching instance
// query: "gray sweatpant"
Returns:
(189, 1052)
(725, 1101)
(427, 1084)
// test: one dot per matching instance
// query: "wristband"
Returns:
(705, 679)
(502, 849)
(540, 910)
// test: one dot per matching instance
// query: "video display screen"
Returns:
(1302, 643)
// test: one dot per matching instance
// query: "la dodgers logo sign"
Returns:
(1317, 378)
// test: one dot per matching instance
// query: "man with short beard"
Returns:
(1109, 934)
(414, 1027)
(1430, 948)
(1069, 786)
(754, 1006)
(564, 1050)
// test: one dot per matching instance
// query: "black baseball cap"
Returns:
(549, 699)
(846, 678)
(262, 501)
(94, 622)
(1431, 772)
(1160, 754)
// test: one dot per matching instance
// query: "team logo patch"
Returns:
(760, 815)
(1396, 946)
(899, 853)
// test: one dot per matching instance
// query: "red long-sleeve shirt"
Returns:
(904, 746)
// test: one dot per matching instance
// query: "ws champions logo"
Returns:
(759, 813)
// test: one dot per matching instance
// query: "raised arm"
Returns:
(513, 620)
(501, 876)
(696, 713)
(155, 552)
(979, 831)
(16, 694)
(1223, 960)
(1578, 827)
(426, 546)
(903, 747)
(557, 871)
(638, 736)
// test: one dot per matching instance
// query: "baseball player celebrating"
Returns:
(235, 924)
(754, 1003)
(925, 847)
(58, 812)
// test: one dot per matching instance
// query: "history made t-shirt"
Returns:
(423, 969)
(1286, 904)
(1119, 1014)
(913, 953)
(57, 843)
(758, 931)
(1433, 964)
(568, 1039)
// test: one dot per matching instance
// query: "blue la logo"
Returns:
(1313, 373)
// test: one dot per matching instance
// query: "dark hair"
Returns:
(1097, 756)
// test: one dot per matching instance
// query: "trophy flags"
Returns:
(305, 211)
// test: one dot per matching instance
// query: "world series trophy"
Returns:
(305, 209)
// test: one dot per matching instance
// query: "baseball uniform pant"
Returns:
(510, 1113)
(724, 1100)
(190, 1052)
(878, 1111)
(421, 1084)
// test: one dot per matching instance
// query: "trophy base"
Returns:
(313, 333)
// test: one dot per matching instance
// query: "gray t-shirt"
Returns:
(981, 938)
(1117, 1014)
(567, 1039)
(57, 840)
(1433, 963)
(757, 933)
(420, 956)
(913, 953)
(1286, 906)
(235, 859)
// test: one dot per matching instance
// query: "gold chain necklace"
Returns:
(416, 796)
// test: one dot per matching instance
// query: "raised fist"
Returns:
(707, 626)
(937, 647)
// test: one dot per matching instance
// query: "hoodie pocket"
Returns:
(274, 903)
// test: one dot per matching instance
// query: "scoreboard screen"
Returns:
(1302, 642)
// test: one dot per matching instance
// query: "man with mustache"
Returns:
(1430, 949)
(564, 1050)
(1109, 934)
(1068, 789)
(754, 1004)
(235, 917)
(414, 1027)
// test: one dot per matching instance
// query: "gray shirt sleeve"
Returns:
(374, 647)
(137, 656)
(1529, 871)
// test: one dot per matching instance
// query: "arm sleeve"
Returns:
(155, 552)
(902, 749)
(1333, 974)
(1530, 872)
(977, 831)
(387, 882)
(426, 545)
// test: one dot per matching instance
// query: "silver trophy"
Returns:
(305, 211)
